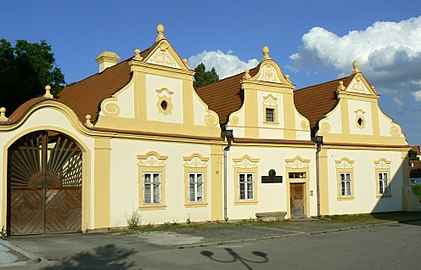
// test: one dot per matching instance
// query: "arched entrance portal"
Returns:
(44, 184)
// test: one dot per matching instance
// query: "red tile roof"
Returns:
(85, 97)
(225, 96)
(314, 102)
(416, 148)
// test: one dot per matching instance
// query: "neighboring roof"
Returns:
(314, 102)
(416, 148)
(225, 96)
(415, 168)
(85, 97)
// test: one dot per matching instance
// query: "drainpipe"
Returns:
(319, 141)
(229, 136)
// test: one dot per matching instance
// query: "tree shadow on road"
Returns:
(108, 257)
(260, 257)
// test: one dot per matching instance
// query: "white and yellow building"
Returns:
(136, 137)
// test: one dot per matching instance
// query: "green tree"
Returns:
(25, 70)
(203, 77)
(412, 155)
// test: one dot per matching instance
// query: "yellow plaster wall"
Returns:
(102, 152)
(271, 196)
(364, 198)
(124, 181)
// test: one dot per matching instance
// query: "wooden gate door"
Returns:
(297, 200)
(44, 184)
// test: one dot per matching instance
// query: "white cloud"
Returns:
(389, 55)
(417, 95)
(225, 64)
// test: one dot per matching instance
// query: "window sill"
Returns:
(245, 202)
(384, 196)
(195, 204)
(152, 207)
(346, 198)
(270, 123)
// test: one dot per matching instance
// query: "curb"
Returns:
(293, 234)
(32, 259)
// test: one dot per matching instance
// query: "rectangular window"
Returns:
(270, 116)
(383, 183)
(297, 175)
(246, 186)
(196, 187)
(346, 189)
(152, 188)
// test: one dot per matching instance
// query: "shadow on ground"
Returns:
(108, 257)
(401, 217)
(259, 257)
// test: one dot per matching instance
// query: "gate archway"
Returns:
(44, 184)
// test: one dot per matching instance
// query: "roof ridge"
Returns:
(319, 84)
(226, 78)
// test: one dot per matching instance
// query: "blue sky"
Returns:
(312, 41)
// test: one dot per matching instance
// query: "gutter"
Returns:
(229, 137)
(319, 141)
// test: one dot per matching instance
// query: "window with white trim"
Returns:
(246, 186)
(151, 188)
(383, 183)
(196, 184)
(345, 184)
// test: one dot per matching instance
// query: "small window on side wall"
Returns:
(270, 115)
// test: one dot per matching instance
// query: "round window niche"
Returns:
(164, 105)
(360, 122)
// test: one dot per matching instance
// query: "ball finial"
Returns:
(3, 117)
(356, 66)
(47, 92)
(265, 52)
(160, 29)
(88, 122)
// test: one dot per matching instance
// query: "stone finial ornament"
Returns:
(160, 29)
(287, 78)
(355, 65)
(47, 92)
(3, 117)
(246, 74)
(341, 86)
(137, 55)
(265, 52)
(88, 122)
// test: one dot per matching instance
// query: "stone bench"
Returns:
(271, 216)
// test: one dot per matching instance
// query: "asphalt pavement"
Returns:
(301, 245)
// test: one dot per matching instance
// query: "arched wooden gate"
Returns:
(44, 184)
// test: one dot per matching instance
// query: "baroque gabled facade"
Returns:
(136, 137)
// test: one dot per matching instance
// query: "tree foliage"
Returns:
(203, 77)
(25, 70)
(412, 155)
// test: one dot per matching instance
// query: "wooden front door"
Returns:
(297, 200)
(44, 184)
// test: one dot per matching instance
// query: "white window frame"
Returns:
(383, 178)
(246, 187)
(196, 187)
(345, 184)
(154, 196)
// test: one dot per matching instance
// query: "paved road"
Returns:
(393, 246)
